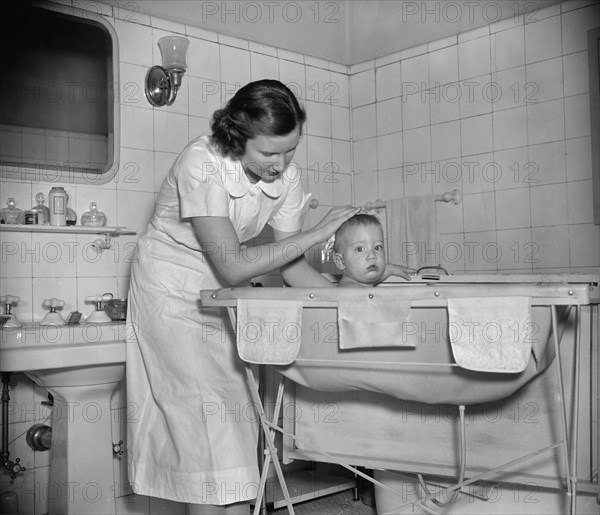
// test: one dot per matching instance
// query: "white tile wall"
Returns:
(415, 107)
(474, 58)
(543, 39)
(512, 89)
(508, 47)
(388, 116)
(501, 113)
(388, 82)
(364, 123)
(416, 146)
(362, 86)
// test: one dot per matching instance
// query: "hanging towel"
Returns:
(411, 230)
(374, 323)
(268, 332)
(491, 334)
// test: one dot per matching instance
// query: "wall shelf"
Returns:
(67, 229)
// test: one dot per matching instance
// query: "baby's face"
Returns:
(361, 254)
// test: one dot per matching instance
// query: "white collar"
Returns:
(237, 183)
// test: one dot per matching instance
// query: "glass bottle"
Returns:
(71, 214)
(12, 214)
(93, 217)
(58, 206)
(43, 213)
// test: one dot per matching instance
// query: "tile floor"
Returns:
(514, 502)
(341, 503)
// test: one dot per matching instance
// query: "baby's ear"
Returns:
(338, 259)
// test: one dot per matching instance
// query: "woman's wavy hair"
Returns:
(262, 108)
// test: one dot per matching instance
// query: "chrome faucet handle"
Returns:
(9, 301)
(8, 318)
(52, 304)
(13, 467)
(98, 298)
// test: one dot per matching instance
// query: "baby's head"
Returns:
(359, 252)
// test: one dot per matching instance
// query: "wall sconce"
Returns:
(162, 82)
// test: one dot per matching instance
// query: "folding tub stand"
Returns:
(550, 295)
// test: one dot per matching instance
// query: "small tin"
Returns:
(31, 218)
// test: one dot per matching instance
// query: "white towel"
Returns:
(269, 332)
(491, 334)
(411, 230)
(374, 323)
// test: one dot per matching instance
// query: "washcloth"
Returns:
(411, 230)
(374, 323)
(491, 334)
(269, 332)
(327, 252)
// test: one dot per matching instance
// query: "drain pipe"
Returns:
(14, 467)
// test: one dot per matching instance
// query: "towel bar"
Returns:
(454, 196)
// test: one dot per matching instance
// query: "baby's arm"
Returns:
(399, 270)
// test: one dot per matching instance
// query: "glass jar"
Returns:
(58, 206)
(93, 217)
(11, 214)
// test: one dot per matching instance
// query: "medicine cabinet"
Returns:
(59, 109)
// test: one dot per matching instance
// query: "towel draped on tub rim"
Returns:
(271, 333)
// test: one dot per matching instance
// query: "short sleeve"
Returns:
(200, 184)
(290, 216)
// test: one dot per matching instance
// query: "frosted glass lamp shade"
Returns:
(173, 50)
(163, 82)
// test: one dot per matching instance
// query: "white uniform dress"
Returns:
(192, 430)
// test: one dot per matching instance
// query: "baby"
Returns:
(359, 252)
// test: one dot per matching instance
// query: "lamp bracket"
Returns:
(158, 86)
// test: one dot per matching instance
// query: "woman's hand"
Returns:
(399, 270)
(237, 263)
(333, 220)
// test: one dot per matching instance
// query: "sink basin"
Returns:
(82, 366)
(37, 347)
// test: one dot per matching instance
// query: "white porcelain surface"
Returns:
(36, 347)
(81, 366)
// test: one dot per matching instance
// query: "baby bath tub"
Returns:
(426, 372)
(423, 373)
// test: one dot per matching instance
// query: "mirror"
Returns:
(58, 111)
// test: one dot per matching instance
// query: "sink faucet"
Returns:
(9, 301)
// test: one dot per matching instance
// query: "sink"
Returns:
(82, 366)
(33, 347)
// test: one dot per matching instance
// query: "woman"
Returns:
(191, 439)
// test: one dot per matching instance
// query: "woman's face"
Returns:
(266, 157)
